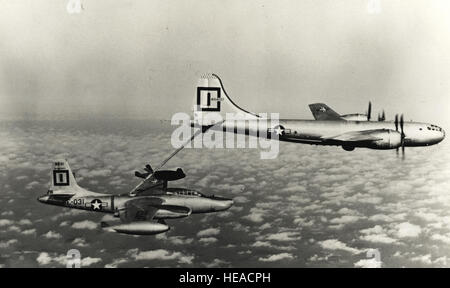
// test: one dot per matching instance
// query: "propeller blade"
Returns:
(369, 111)
(383, 116)
(401, 125)
(403, 150)
(402, 137)
(396, 122)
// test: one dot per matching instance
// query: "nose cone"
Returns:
(438, 136)
(43, 199)
(223, 205)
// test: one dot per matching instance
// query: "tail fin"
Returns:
(212, 102)
(321, 111)
(62, 179)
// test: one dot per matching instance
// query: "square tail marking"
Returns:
(61, 178)
(208, 98)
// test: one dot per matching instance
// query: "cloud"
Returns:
(407, 229)
(46, 258)
(116, 263)
(29, 232)
(208, 240)
(161, 254)
(276, 257)
(334, 244)
(25, 222)
(180, 240)
(6, 244)
(80, 242)
(359, 200)
(377, 234)
(256, 215)
(5, 222)
(88, 261)
(368, 263)
(442, 238)
(52, 235)
(425, 259)
(208, 232)
(345, 219)
(217, 263)
(31, 185)
(241, 199)
(284, 236)
(86, 224)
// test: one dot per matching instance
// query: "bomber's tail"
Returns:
(62, 180)
(211, 102)
(321, 111)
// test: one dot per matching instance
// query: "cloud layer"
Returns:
(310, 207)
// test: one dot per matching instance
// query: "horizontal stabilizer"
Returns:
(169, 175)
(148, 168)
(141, 175)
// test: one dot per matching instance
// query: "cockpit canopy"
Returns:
(434, 127)
(185, 192)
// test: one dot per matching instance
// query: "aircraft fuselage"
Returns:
(317, 132)
(195, 201)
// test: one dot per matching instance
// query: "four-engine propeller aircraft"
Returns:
(212, 101)
(321, 111)
(150, 200)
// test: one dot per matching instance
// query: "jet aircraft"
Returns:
(211, 103)
(149, 201)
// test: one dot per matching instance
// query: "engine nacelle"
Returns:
(390, 139)
(172, 212)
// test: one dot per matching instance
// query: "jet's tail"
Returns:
(321, 111)
(62, 180)
(211, 102)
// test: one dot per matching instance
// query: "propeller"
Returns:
(369, 111)
(381, 117)
(402, 134)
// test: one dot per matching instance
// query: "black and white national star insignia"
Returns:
(96, 204)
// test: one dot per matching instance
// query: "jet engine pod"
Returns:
(169, 175)
(172, 212)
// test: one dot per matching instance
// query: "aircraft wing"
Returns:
(322, 112)
(140, 209)
(355, 136)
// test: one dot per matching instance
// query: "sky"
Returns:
(141, 59)
(313, 206)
